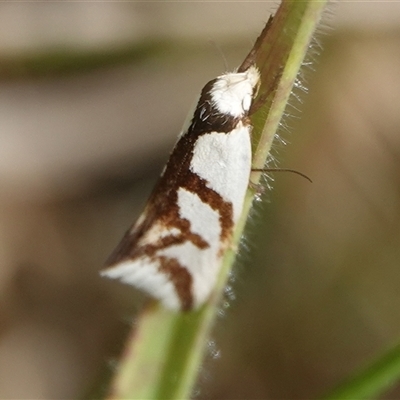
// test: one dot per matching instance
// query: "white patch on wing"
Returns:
(232, 93)
(144, 274)
(224, 161)
(204, 221)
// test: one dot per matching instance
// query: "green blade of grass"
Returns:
(369, 383)
(164, 352)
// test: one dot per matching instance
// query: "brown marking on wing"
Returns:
(181, 279)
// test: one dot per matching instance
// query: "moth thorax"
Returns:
(232, 93)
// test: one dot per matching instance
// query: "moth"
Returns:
(174, 250)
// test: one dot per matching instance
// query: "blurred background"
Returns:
(92, 97)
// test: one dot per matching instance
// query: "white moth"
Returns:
(174, 251)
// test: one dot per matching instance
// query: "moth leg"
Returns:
(259, 188)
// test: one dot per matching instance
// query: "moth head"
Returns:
(233, 93)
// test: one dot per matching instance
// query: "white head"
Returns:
(232, 93)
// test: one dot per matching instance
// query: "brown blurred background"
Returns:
(92, 97)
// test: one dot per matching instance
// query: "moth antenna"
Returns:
(281, 170)
(220, 52)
